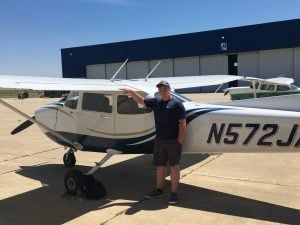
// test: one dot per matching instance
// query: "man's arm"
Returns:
(136, 96)
(182, 129)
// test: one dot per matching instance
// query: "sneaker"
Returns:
(155, 194)
(173, 198)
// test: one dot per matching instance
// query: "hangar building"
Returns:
(263, 50)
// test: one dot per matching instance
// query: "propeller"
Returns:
(22, 126)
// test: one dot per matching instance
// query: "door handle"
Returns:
(104, 117)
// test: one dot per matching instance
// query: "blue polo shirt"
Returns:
(166, 115)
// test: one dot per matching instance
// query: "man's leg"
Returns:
(175, 177)
(159, 160)
(161, 172)
(174, 155)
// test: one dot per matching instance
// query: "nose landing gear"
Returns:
(69, 158)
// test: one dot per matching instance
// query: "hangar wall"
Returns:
(263, 64)
(255, 50)
(271, 63)
(186, 66)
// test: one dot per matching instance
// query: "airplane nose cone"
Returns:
(47, 116)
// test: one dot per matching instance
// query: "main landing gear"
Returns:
(77, 183)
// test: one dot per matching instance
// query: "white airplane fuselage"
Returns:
(210, 128)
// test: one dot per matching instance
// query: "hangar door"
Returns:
(278, 62)
(248, 64)
(188, 66)
(96, 71)
(213, 65)
(137, 69)
(165, 68)
(297, 65)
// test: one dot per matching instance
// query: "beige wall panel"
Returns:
(216, 64)
(165, 68)
(188, 66)
(96, 71)
(137, 69)
(111, 68)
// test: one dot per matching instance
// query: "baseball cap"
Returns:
(163, 83)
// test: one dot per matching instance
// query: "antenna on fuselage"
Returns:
(154, 68)
(118, 71)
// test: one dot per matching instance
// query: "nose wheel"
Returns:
(69, 159)
(74, 182)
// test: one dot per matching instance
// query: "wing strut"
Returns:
(118, 71)
(153, 69)
(75, 145)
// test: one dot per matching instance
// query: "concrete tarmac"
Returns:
(220, 189)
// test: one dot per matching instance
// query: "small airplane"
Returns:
(263, 88)
(97, 116)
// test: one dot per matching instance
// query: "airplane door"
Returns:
(130, 124)
(96, 121)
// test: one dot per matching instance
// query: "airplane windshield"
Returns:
(72, 100)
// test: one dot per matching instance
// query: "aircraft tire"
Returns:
(93, 189)
(73, 182)
(69, 160)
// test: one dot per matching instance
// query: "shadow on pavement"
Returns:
(128, 180)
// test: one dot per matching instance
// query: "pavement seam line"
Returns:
(201, 165)
(17, 170)
(168, 184)
(27, 155)
(248, 180)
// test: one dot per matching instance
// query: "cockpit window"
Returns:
(267, 87)
(72, 100)
(97, 102)
(127, 105)
(283, 88)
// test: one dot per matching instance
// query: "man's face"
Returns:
(164, 92)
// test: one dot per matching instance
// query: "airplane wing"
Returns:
(192, 81)
(56, 83)
(281, 80)
(276, 80)
(82, 84)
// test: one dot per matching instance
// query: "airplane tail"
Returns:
(283, 102)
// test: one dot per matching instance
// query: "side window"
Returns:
(267, 87)
(97, 102)
(72, 100)
(283, 88)
(127, 105)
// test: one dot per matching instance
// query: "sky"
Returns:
(32, 32)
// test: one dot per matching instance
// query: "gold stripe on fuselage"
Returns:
(120, 134)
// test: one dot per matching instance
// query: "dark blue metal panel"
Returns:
(283, 34)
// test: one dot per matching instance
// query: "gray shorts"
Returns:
(166, 151)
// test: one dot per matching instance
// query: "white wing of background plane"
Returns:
(82, 84)
(276, 80)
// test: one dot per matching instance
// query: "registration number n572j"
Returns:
(230, 134)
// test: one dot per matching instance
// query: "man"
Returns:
(170, 123)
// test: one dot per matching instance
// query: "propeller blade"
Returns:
(22, 126)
